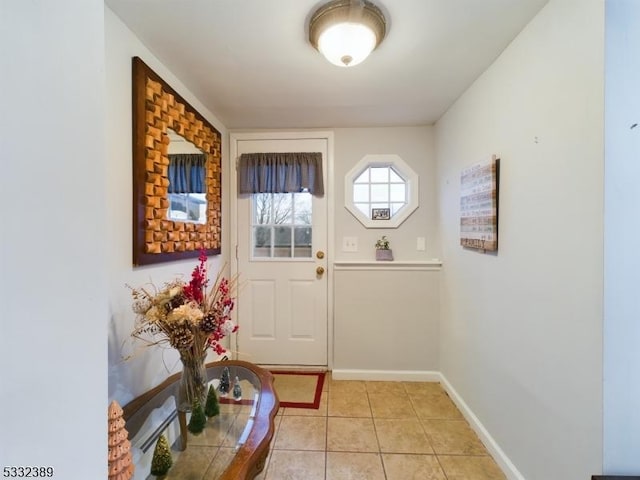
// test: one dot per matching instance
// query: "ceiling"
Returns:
(251, 64)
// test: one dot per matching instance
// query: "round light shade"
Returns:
(347, 44)
(347, 31)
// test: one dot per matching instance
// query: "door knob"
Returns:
(320, 254)
(320, 270)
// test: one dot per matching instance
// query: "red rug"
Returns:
(298, 389)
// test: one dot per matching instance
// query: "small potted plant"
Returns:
(383, 252)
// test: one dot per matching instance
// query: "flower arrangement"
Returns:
(184, 315)
(383, 250)
(382, 243)
(188, 318)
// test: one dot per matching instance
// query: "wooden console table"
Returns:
(233, 446)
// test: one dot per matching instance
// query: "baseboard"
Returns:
(492, 446)
(386, 375)
(293, 368)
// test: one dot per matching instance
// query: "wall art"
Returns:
(479, 205)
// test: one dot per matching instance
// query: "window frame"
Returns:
(403, 170)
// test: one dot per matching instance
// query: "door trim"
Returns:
(236, 137)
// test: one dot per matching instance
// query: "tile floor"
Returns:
(378, 431)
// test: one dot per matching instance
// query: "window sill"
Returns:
(408, 265)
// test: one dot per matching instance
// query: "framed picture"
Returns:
(380, 213)
(479, 205)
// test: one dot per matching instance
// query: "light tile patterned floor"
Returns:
(378, 431)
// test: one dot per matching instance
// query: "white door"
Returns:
(282, 263)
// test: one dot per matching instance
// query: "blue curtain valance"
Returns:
(187, 173)
(281, 172)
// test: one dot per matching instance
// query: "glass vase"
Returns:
(193, 383)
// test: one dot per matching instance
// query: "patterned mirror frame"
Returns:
(156, 108)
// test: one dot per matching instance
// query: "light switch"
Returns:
(421, 244)
(349, 244)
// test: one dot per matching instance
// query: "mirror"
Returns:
(160, 114)
(190, 205)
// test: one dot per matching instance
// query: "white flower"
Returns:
(228, 326)
(141, 306)
(189, 312)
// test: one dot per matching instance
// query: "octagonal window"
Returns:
(381, 191)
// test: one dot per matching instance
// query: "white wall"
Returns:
(386, 321)
(149, 366)
(53, 273)
(521, 331)
(383, 319)
(415, 146)
(622, 262)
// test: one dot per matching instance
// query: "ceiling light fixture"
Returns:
(347, 31)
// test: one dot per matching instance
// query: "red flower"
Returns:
(194, 291)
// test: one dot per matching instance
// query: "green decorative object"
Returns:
(382, 243)
(212, 407)
(225, 382)
(198, 419)
(161, 461)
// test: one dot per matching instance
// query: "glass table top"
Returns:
(210, 453)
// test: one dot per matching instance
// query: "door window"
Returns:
(281, 225)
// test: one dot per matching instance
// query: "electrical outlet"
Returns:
(421, 244)
(349, 244)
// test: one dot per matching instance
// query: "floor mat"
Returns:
(298, 389)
